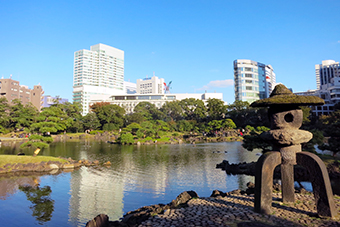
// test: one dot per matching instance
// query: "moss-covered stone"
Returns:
(281, 95)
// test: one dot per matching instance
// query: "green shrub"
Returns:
(94, 132)
(126, 138)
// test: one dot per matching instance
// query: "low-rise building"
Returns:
(129, 101)
(11, 89)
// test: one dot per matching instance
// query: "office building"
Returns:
(253, 80)
(325, 72)
(153, 85)
(328, 86)
(11, 89)
(98, 74)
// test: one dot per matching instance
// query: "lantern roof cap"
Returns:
(281, 95)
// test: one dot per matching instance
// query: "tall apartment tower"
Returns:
(98, 74)
(11, 89)
(325, 72)
(328, 86)
(253, 80)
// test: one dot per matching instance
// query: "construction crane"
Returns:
(167, 87)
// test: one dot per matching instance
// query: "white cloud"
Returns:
(338, 41)
(218, 84)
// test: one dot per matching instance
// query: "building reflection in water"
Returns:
(139, 175)
(10, 185)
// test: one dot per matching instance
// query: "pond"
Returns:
(139, 176)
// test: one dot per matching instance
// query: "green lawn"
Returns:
(12, 159)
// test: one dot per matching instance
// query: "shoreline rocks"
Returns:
(235, 208)
(50, 166)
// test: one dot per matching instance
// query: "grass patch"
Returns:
(24, 159)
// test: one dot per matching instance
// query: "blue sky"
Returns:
(191, 43)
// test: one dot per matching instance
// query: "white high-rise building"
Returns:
(328, 86)
(325, 72)
(253, 80)
(98, 74)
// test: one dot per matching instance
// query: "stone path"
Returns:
(237, 210)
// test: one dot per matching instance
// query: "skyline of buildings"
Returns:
(253, 80)
(98, 75)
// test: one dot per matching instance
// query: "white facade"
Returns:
(328, 84)
(253, 80)
(328, 87)
(325, 72)
(128, 102)
(98, 72)
(152, 85)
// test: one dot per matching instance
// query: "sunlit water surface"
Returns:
(138, 176)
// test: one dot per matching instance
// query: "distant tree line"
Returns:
(187, 115)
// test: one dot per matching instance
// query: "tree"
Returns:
(254, 140)
(51, 120)
(126, 138)
(216, 109)
(332, 129)
(4, 114)
(147, 129)
(134, 117)
(185, 126)
(238, 105)
(149, 111)
(317, 139)
(91, 122)
(242, 114)
(22, 116)
(110, 115)
(193, 109)
(172, 110)
(132, 128)
(73, 111)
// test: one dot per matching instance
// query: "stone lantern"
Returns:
(286, 119)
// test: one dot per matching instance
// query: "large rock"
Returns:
(183, 198)
(101, 220)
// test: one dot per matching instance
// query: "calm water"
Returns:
(138, 176)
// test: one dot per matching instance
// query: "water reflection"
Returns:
(10, 185)
(138, 176)
(42, 204)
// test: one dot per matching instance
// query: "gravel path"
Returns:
(237, 210)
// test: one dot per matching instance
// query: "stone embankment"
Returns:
(232, 209)
(50, 166)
